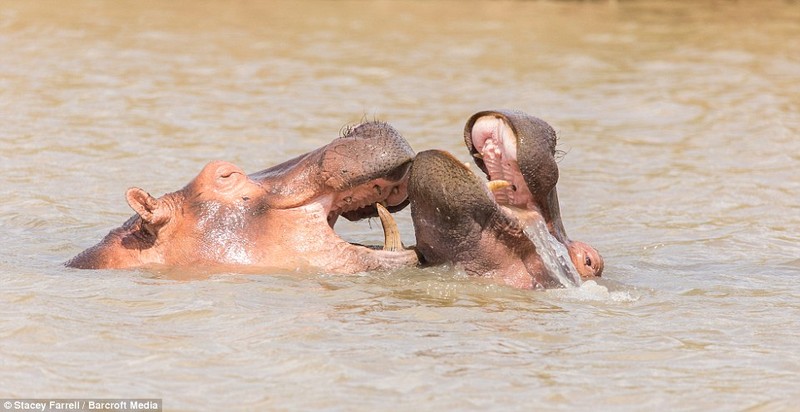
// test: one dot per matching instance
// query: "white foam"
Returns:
(592, 291)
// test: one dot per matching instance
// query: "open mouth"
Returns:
(494, 145)
(376, 198)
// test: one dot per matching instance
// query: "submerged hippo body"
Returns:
(280, 218)
(486, 229)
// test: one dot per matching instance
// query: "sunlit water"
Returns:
(680, 122)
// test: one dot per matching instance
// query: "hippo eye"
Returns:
(588, 261)
(245, 198)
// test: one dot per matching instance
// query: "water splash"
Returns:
(554, 254)
(591, 291)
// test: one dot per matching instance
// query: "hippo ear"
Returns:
(147, 207)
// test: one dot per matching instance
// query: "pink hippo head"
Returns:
(281, 218)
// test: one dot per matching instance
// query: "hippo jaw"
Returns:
(494, 144)
(379, 197)
(519, 149)
(349, 177)
(458, 221)
(314, 245)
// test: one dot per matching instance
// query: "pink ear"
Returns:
(228, 177)
(146, 206)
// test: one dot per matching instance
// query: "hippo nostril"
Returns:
(588, 261)
(513, 188)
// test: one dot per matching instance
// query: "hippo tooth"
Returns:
(391, 234)
(495, 185)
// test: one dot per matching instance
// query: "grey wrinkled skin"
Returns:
(456, 221)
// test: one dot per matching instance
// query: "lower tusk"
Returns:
(495, 185)
(391, 234)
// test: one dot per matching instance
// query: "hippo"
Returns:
(280, 218)
(489, 229)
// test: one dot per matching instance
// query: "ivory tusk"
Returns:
(391, 234)
(495, 185)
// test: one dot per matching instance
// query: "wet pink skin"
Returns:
(587, 260)
(278, 219)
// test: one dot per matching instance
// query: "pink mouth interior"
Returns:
(361, 200)
(497, 145)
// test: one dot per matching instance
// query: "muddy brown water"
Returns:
(681, 127)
